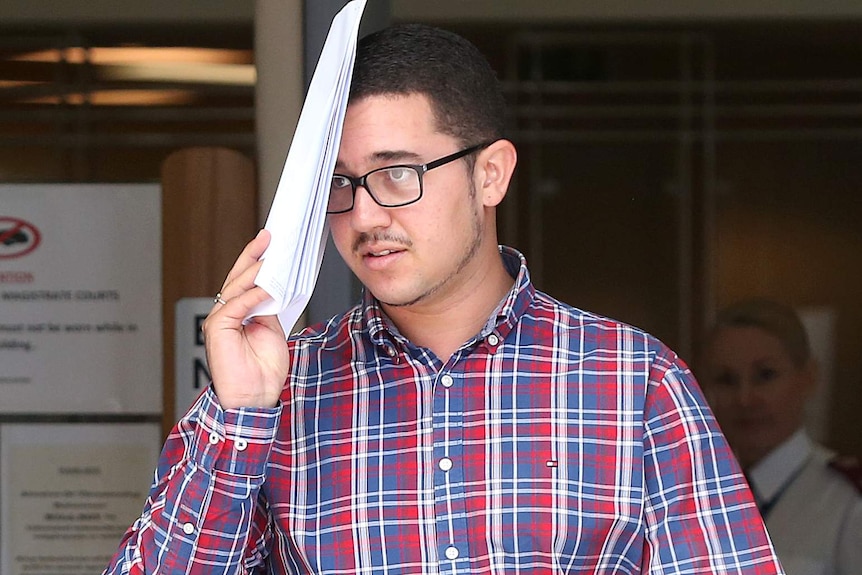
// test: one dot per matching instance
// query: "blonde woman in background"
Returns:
(758, 374)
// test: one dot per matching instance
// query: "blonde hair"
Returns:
(772, 317)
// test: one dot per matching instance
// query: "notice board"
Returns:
(80, 298)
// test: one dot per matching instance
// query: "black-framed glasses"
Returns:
(390, 186)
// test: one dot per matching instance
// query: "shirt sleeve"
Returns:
(700, 515)
(204, 512)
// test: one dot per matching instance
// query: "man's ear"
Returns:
(494, 168)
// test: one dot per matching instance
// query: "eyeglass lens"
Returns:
(391, 186)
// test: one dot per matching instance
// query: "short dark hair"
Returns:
(463, 89)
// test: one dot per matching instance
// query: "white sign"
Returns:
(191, 373)
(80, 298)
(68, 492)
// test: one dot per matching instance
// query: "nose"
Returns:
(746, 394)
(367, 214)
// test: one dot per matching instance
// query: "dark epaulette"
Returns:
(850, 467)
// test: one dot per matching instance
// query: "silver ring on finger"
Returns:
(219, 299)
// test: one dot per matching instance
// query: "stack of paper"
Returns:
(297, 217)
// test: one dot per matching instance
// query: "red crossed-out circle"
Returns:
(11, 243)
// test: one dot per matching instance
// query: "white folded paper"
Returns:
(297, 217)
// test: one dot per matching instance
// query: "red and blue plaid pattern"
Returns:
(555, 441)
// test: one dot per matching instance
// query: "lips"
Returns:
(380, 251)
(381, 255)
(380, 259)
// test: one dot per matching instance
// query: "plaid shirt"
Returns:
(554, 441)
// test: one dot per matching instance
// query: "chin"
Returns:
(397, 301)
(389, 297)
(400, 299)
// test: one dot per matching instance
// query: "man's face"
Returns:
(422, 254)
(757, 392)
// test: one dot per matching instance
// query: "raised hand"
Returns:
(248, 363)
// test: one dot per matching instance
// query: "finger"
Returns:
(239, 306)
(235, 310)
(239, 287)
(249, 256)
(241, 277)
(240, 283)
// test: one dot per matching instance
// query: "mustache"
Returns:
(379, 237)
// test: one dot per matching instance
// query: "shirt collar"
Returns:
(384, 333)
(771, 473)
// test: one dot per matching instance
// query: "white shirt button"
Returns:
(241, 444)
(452, 552)
(447, 380)
(493, 339)
(188, 528)
(445, 464)
(214, 438)
(390, 351)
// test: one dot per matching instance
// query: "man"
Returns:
(759, 375)
(457, 420)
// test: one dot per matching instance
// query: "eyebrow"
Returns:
(384, 156)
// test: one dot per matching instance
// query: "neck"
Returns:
(443, 324)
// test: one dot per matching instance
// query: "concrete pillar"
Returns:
(280, 90)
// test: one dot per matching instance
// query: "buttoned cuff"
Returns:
(236, 441)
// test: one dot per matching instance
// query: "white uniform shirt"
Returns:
(813, 512)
